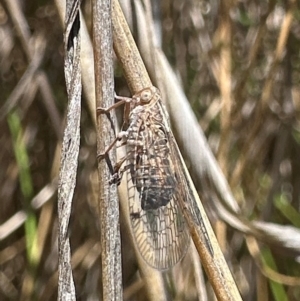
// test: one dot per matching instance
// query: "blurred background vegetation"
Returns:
(239, 65)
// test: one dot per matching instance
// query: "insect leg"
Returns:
(120, 136)
(101, 110)
(123, 135)
(120, 100)
(118, 172)
(115, 171)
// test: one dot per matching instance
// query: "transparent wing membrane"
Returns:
(161, 234)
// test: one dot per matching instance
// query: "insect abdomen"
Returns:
(156, 184)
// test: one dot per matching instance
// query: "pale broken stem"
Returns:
(225, 37)
(70, 150)
(225, 86)
(108, 202)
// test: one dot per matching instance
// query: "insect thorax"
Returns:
(148, 150)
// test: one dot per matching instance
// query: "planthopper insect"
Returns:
(158, 189)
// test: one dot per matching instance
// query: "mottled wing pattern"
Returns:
(153, 188)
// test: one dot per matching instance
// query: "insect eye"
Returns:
(146, 96)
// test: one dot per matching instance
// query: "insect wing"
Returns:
(160, 234)
(157, 221)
